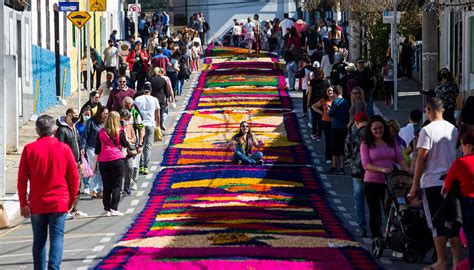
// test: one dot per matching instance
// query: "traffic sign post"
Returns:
(79, 18)
(98, 5)
(68, 6)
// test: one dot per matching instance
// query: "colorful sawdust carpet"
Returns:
(215, 215)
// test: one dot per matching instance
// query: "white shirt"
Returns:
(110, 56)
(285, 24)
(407, 133)
(439, 138)
(249, 27)
(147, 105)
(326, 66)
(237, 30)
(307, 73)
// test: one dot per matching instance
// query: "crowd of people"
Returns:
(339, 97)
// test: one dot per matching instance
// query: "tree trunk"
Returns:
(430, 50)
(355, 36)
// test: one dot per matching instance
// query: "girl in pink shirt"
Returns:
(379, 151)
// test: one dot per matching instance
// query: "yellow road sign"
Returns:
(79, 18)
(97, 5)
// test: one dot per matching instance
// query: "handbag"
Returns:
(132, 150)
(86, 169)
(158, 135)
(300, 73)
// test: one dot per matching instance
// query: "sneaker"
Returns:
(145, 171)
(319, 139)
(115, 213)
(328, 161)
(259, 162)
(140, 170)
(314, 137)
(107, 213)
(126, 193)
(133, 185)
(79, 214)
(87, 191)
(310, 126)
(69, 216)
(332, 170)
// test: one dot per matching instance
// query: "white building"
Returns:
(457, 42)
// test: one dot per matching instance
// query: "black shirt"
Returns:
(365, 81)
(158, 88)
(318, 88)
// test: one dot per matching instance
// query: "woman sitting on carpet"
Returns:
(244, 141)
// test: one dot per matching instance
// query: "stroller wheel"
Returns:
(410, 255)
(377, 247)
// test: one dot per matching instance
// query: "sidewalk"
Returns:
(409, 98)
(27, 134)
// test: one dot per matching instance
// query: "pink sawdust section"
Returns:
(304, 258)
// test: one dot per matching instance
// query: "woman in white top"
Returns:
(328, 61)
(106, 87)
(249, 33)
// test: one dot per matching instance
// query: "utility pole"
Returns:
(430, 46)
(395, 55)
(88, 53)
(3, 102)
(135, 15)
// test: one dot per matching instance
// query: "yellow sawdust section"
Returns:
(219, 182)
(214, 239)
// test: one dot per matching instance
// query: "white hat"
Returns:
(351, 67)
(316, 64)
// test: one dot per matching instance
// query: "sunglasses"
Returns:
(122, 81)
(245, 126)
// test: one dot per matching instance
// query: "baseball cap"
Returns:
(147, 87)
(316, 64)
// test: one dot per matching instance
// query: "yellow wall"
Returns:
(73, 50)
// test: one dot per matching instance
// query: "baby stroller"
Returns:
(406, 231)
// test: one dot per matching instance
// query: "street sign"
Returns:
(388, 17)
(97, 5)
(134, 8)
(68, 6)
(79, 18)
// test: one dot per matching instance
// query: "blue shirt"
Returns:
(339, 113)
(167, 52)
(165, 20)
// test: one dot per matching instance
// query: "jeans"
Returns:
(305, 101)
(95, 182)
(291, 70)
(128, 173)
(174, 80)
(467, 208)
(375, 196)
(40, 224)
(180, 87)
(252, 159)
(359, 206)
(147, 143)
(370, 107)
(317, 123)
(163, 114)
(327, 127)
(112, 173)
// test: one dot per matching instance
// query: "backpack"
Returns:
(205, 26)
(184, 70)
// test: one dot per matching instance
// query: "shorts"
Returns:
(432, 200)
(338, 138)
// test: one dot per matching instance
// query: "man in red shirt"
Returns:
(116, 96)
(49, 168)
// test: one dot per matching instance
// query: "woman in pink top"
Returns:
(108, 150)
(378, 151)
